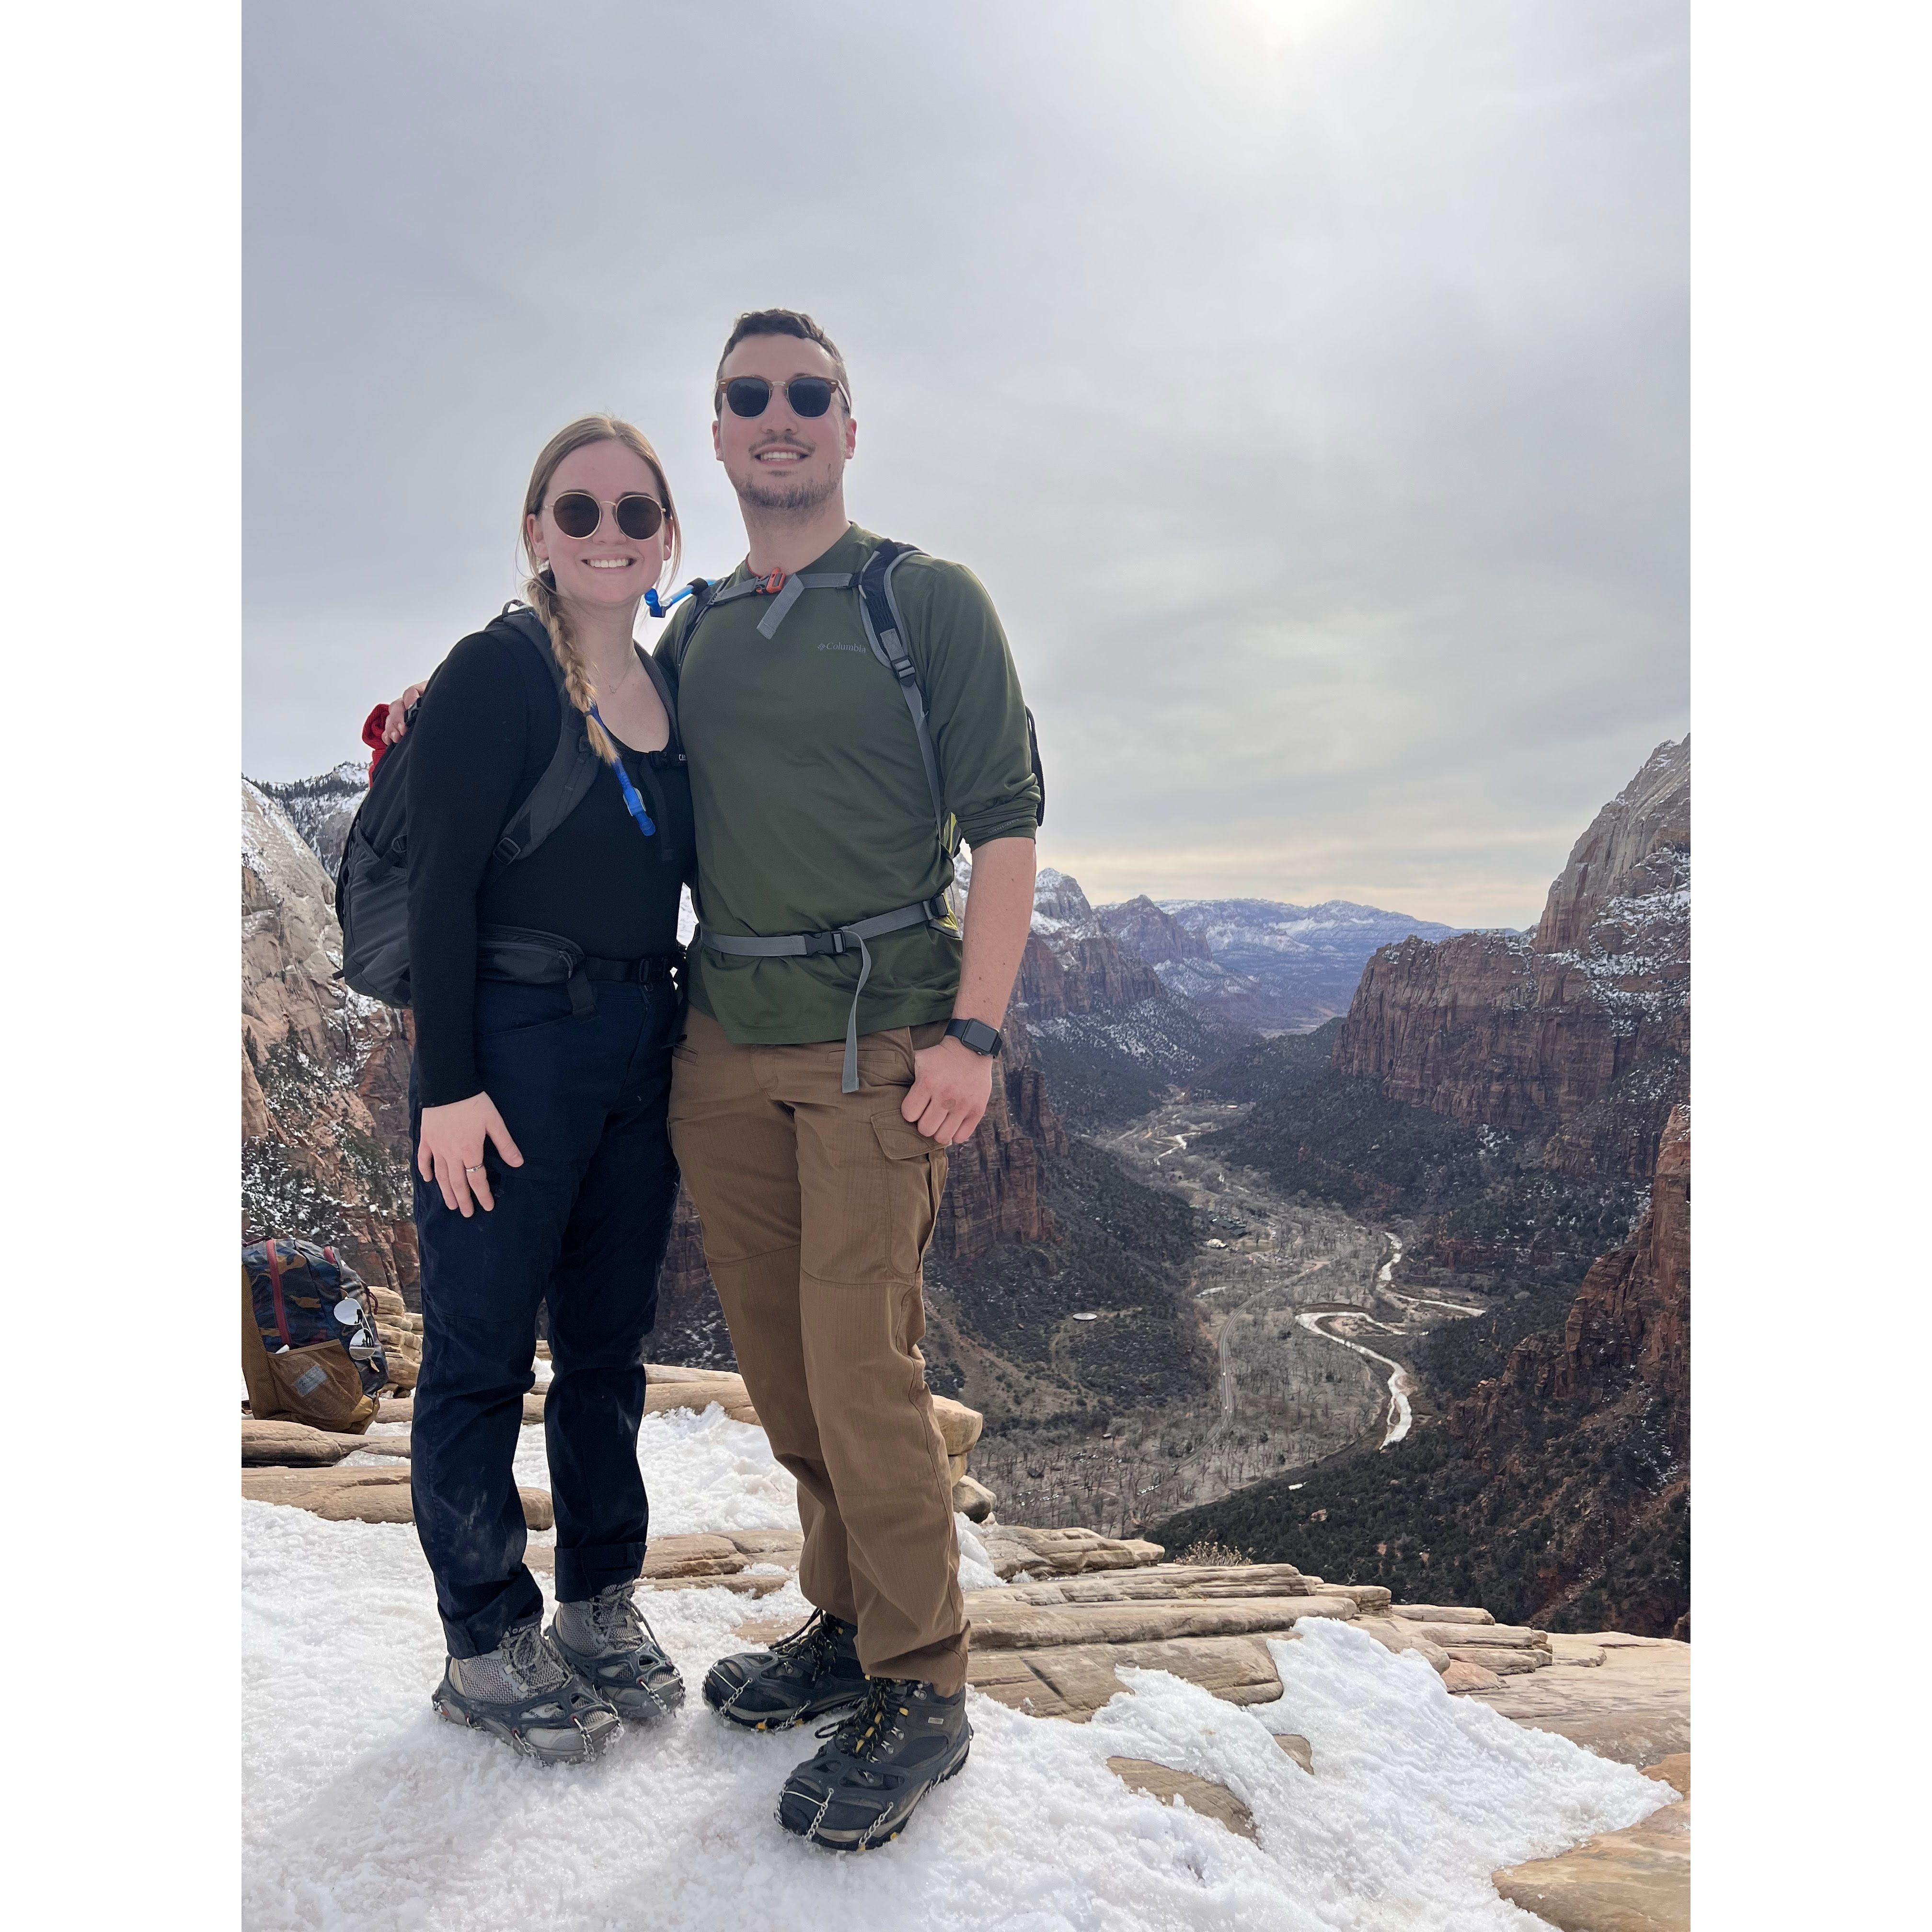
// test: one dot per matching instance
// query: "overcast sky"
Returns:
(1306, 380)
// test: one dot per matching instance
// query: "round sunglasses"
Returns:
(808, 395)
(578, 514)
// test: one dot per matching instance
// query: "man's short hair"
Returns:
(779, 321)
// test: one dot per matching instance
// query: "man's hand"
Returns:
(449, 1151)
(951, 1087)
(398, 721)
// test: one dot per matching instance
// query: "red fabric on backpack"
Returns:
(372, 735)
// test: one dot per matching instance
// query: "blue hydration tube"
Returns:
(657, 609)
(633, 803)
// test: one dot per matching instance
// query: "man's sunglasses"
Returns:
(578, 514)
(808, 395)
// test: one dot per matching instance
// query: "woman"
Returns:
(545, 1011)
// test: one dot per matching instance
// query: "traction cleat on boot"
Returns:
(607, 1641)
(813, 1672)
(883, 1758)
(524, 1693)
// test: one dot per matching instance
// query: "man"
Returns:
(818, 1190)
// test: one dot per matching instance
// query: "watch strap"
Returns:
(976, 1035)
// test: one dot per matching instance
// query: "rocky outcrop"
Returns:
(1577, 1038)
(1154, 932)
(1072, 964)
(1631, 1321)
(325, 1080)
(321, 809)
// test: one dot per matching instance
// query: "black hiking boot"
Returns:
(524, 1693)
(883, 1758)
(607, 1641)
(814, 1671)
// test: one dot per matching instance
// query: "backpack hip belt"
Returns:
(837, 940)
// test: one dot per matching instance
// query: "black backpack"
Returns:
(372, 887)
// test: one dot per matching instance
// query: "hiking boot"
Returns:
(607, 1641)
(524, 1693)
(883, 1758)
(814, 1670)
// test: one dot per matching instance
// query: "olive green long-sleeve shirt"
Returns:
(811, 801)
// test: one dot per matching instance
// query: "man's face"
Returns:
(780, 460)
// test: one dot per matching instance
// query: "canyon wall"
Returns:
(1577, 1037)
(325, 1072)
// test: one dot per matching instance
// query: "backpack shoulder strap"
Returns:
(573, 765)
(885, 632)
(704, 592)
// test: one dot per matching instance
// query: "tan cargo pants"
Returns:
(818, 1207)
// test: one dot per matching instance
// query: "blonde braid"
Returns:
(543, 599)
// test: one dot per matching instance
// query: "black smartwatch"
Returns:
(976, 1035)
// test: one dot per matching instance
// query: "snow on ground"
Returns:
(365, 1811)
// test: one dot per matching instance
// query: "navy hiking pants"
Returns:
(582, 1225)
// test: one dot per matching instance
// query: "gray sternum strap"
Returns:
(837, 940)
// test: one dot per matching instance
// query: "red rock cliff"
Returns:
(1580, 1036)
(325, 1073)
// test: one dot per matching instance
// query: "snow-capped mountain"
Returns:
(1262, 963)
(321, 808)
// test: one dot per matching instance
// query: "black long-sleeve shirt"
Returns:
(484, 736)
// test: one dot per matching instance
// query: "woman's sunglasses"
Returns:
(808, 395)
(578, 514)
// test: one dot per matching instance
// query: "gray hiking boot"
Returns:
(814, 1671)
(608, 1644)
(883, 1758)
(525, 1694)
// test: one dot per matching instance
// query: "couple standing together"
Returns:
(812, 740)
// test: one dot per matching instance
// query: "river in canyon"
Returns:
(1291, 1293)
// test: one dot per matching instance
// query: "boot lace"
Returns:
(813, 1644)
(861, 1732)
(619, 1623)
(531, 1661)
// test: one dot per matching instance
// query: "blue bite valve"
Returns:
(659, 609)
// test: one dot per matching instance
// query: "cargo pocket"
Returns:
(902, 1144)
(319, 1385)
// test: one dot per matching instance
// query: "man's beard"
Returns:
(795, 494)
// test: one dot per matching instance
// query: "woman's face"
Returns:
(606, 567)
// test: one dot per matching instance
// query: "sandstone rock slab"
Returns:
(697, 1555)
(1484, 1637)
(1635, 1707)
(1201, 1796)
(1461, 1676)
(1637, 1880)
(292, 1445)
(1498, 1659)
(1300, 1749)
(1440, 1613)
(959, 1427)
(1400, 1637)
(1016, 1550)
(999, 1624)
(1073, 1681)
(972, 1499)
(361, 1494)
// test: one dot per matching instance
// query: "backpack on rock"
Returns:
(309, 1350)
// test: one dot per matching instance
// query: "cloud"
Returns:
(1307, 382)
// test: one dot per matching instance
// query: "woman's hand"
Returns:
(397, 722)
(450, 1149)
